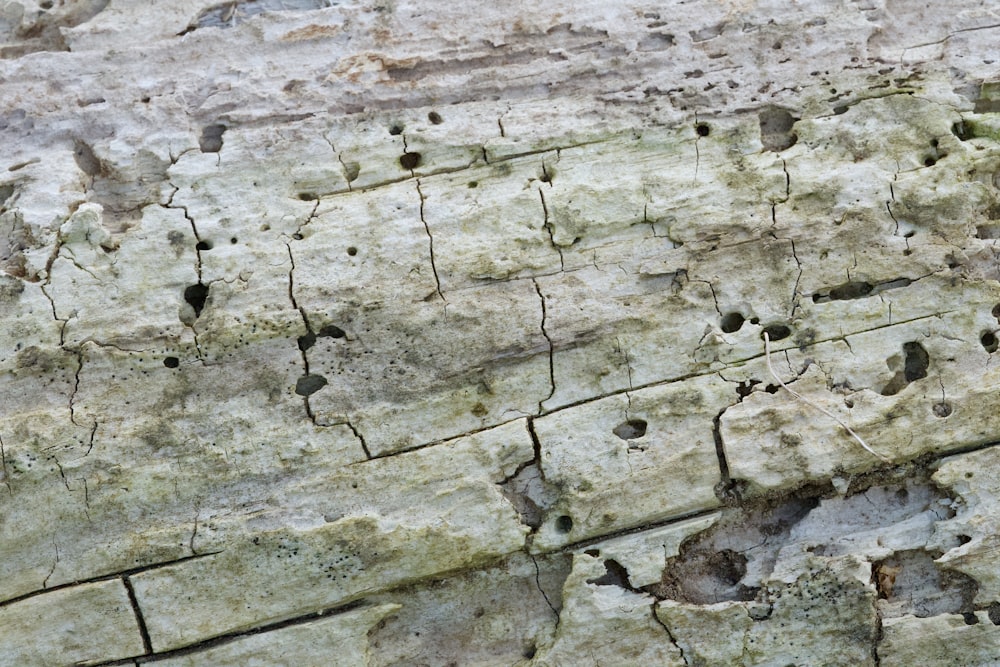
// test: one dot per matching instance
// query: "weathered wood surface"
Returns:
(432, 333)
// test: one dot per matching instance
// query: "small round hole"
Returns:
(731, 322)
(396, 130)
(203, 245)
(352, 251)
(993, 612)
(942, 409)
(308, 196)
(631, 429)
(234, 240)
(211, 138)
(963, 539)
(929, 161)
(332, 331)
(564, 523)
(196, 296)
(473, 184)
(171, 362)
(989, 342)
(309, 384)
(409, 160)
(306, 341)
(776, 331)
(435, 118)
(702, 129)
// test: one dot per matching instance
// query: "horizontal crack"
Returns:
(104, 577)
(634, 530)
(231, 637)
(424, 173)
(859, 289)
(492, 562)
(626, 390)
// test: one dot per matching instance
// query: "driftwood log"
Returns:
(426, 333)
